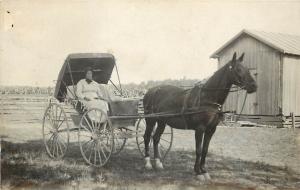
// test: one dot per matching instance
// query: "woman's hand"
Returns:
(104, 99)
(87, 99)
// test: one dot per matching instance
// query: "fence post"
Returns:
(293, 120)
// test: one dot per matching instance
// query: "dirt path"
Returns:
(239, 158)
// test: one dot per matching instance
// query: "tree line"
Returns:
(128, 90)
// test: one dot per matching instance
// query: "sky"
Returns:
(151, 39)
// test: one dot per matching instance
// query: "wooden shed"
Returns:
(274, 61)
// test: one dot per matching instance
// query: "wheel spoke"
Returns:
(116, 143)
(48, 133)
(56, 114)
(95, 157)
(61, 149)
(162, 149)
(162, 146)
(50, 120)
(100, 118)
(85, 128)
(104, 145)
(86, 150)
(98, 125)
(86, 142)
(56, 147)
(59, 114)
(103, 154)
(86, 135)
(52, 115)
(92, 151)
(63, 143)
(62, 121)
(100, 159)
(91, 129)
(165, 140)
(141, 142)
(92, 122)
(105, 125)
(50, 145)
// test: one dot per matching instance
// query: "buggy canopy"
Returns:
(73, 70)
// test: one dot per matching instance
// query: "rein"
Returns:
(238, 117)
(233, 90)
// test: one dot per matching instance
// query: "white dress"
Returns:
(92, 91)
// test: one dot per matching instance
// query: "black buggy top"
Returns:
(73, 68)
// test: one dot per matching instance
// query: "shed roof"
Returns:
(285, 43)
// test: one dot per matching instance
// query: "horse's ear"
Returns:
(241, 57)
(234, 57)
(233, 61)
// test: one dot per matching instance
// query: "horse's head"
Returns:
(240, 74)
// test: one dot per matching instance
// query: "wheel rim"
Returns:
(95, 136)
(55, 131)
(119, 140)
(165, 142)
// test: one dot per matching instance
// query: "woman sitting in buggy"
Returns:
(91, 94)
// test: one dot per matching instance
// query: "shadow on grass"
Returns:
(28, 162)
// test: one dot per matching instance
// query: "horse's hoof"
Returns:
(148, 167)
(158, 164)
(207, 176)
(148, 164)
(201, 177)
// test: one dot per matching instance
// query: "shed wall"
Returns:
(291, 85)
(264, 64)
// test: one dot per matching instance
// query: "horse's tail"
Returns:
(149, 100)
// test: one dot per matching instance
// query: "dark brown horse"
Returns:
(207, 101)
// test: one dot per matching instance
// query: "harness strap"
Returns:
(184, 106)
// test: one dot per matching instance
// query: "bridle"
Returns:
(237, 81)
(241, 84)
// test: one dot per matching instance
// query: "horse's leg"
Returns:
(198, 139)
(147, 137)
(207, 137)
(156, 138)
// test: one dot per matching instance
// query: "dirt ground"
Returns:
(239, 158)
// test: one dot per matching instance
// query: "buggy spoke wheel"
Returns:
(119, 140)
(96, 137)
(55, 131)
(165, 142)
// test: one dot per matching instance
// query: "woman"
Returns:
(88, 92)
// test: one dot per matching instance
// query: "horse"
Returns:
(206, 103)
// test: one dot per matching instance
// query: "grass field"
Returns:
(239, 158)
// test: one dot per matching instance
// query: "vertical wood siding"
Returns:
(291, 85)
(264, 64)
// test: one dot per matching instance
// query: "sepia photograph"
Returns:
(150, 94)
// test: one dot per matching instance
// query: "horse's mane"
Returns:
(217, 77)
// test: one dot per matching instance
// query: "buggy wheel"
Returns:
(96, 137)
(165, 142)
(119, 140)
(56, 132)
